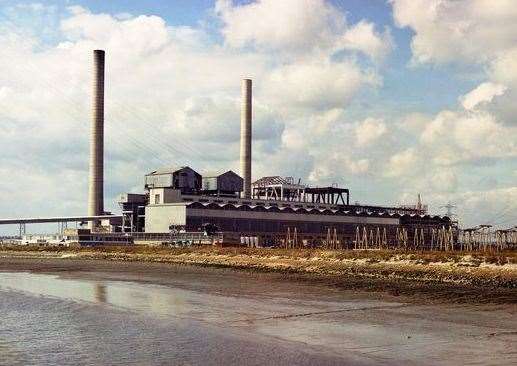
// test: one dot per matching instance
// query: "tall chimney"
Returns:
(246, 111)
(96, 184)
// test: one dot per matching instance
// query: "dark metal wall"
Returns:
(347, 233)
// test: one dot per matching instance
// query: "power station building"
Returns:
(311, 212)
(180, 198)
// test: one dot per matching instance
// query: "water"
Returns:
(126, 317)
(51, 321)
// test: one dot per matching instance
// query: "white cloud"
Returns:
(402, 163)
(331, 170)
(357, 167)
(146, 34)
(472, 33)
(363, 37)
(369, 130)
(287, 25)
(444, 180)
(504, 67)
(485, 92)
(453, 137)
(458, 30)
(317, 85)
(455, 146)
(413, 123)
(299, 28)
(172, 97)
(497, 207)
(211, 117)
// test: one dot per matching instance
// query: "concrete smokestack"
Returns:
(246, 112)
(96, 184)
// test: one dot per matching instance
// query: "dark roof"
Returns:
(170, 170)
(218, 174)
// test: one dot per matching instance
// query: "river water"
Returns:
(107, 319)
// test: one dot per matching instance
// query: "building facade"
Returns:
(273, 220)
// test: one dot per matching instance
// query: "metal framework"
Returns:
(278, 189)
(331, 195)
(285, 189)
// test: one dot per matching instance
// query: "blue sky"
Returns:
(390, 98)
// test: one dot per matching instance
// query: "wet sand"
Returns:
(272, 318)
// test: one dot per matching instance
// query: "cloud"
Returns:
(503, 67)
(496, 207)
(288, 25)
(453, 137)
(364, 38)
(413, 124)
(146, 34)
(402, 163)
(485, 92)
(358, 167)
(455, 143)
(458, 30)
(444, 180)
(369, 130)
(173, 97)
(211, 118)
(453, 148)
(299, 28)
(317, 85)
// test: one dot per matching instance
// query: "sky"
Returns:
(388, 98)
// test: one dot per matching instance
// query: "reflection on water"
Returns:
(100, 293)
(159, 300)
(47, 320)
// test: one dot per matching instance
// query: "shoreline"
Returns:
(307, 315)
(419, 277)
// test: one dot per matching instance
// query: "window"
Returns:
(156, 199)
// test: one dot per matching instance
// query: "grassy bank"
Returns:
(459, 275)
